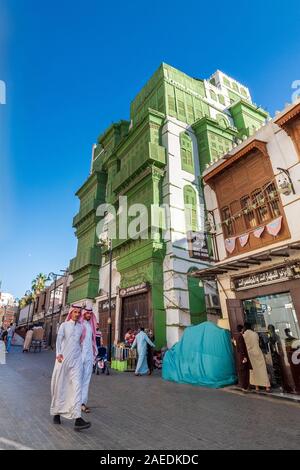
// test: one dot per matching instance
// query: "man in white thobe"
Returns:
(66, 383)
(89, 352)
(141, 343)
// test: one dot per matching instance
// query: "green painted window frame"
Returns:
(186, 153)
(190, 200)
(235, 87)
(226, 82)
(213, 95)
(221, 99)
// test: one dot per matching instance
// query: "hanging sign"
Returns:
(104, 305)
(283, 273)
(132, 290)
(197, 245)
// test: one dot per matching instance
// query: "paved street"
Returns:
(139, 413)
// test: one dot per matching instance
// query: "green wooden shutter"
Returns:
(190, 201)
(186, 150)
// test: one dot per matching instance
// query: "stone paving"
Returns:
(131, 412)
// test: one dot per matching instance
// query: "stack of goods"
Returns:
(124, 359)
(131, 359)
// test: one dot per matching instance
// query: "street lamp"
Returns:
(107, 243)
(27, 294)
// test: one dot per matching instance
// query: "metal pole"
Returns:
(109, 304)
(53, 302)
(64, 297)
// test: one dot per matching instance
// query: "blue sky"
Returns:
(72, 67)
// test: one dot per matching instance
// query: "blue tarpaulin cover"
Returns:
(203, 356)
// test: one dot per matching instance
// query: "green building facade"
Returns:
(177, 125)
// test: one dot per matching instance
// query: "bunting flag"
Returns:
(243, 239)
(230, 244)
(274, 227)
(258, 232)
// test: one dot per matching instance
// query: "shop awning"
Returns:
(246, 261)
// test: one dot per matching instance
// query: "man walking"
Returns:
(10, 334)
(89, 352)
(141, 342)
(66, 383)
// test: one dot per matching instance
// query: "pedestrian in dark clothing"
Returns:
(243, 362)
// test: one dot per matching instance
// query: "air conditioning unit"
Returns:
(212, 301)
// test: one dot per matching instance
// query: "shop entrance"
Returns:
(274, 318)
(135, 312)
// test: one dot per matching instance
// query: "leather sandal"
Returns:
(85, 409)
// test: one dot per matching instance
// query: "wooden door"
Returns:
(135, 313)
(236, 314)
(236, 317)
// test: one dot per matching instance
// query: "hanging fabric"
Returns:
(230, 244)
(274, 227)
(243, 239)
(258, 232)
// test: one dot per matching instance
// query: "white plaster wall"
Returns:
(177, 261)
(104, 277)
(104, 289)
(218, 75)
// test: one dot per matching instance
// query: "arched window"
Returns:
(186, 152)
(190, 208)
(222, 121)
(235, 87)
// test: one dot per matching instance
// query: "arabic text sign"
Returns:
(266, 277)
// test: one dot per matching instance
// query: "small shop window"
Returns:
(248, 212)
(273, 200)
(259, 201)
(251, 210)
(227, 221)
